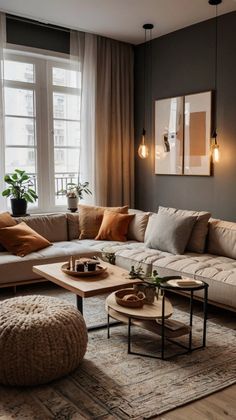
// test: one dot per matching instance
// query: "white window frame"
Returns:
(43, 61)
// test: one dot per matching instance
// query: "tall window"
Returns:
(42, 123)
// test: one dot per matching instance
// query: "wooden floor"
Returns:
(220, 405)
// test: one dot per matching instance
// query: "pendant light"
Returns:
(143, 148)
(215, 145)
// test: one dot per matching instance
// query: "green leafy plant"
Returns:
(20, 186)
(136, 273)
(76, 190)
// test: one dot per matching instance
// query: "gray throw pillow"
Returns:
(197, 238)
(169, 233)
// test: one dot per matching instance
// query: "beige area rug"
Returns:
(110, 384)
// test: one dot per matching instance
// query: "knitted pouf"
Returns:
(41, 339)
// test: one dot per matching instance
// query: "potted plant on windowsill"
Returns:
(74, 192)
(20, 191)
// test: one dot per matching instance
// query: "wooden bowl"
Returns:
(99, 270)
(120, 295)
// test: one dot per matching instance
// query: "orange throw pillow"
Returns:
(6, 220)
(114, 226)
(22, 240)
(90, 219)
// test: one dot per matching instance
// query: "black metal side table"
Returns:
(172, 285)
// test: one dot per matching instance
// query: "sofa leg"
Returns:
(14, 290)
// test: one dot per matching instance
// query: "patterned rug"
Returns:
(110, 384)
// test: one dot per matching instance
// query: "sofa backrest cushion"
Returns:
(90, 219)
(138, 225)
(222, 238)
(198, 236)
(169, 232)
(73, 226)
(53, 227)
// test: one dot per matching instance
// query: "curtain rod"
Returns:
(37, 23)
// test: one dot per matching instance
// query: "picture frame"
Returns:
(183, 127)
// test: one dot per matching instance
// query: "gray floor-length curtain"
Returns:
(114, 138)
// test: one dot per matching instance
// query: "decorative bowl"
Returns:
(130, 298)
(99, 270)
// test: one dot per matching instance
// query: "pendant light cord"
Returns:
(216, 70)
(144, 82)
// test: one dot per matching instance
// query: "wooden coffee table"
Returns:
(84, 287)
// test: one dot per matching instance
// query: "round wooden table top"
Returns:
(152, 311)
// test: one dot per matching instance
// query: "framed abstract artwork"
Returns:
(183, 135)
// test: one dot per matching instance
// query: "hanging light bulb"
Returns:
(143, 151)
(143, 148)
(215, 149)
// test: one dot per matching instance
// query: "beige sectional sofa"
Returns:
(216, 266)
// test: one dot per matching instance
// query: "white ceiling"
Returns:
(118, 19)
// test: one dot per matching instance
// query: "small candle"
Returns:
(71, 264)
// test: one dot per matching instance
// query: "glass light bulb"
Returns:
(216, 153)
(143, 149)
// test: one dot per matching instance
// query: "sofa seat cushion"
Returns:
(137, 254)
(206, 265)
(219, 272)
(14, 269)
(100, 245)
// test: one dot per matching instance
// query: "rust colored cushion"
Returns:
(22, 240)
(90, 219)
(114, 226)
(5, 221)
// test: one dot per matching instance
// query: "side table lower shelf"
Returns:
(178, 329)
(151, 325)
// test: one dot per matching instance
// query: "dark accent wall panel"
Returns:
(183, 62)
(37, 36)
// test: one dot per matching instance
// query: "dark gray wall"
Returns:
(183, 62)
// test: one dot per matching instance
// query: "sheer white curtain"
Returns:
(2, 149)
(83, 49)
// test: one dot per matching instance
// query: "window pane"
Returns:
(19, 131)
(67, 78)
(66, 106)
(19, 102)
(66, 133)
(66, 160)
(20, 158)
(61, 181)
(21, 72)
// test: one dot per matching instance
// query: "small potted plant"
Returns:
(20, 191)
(74, 192)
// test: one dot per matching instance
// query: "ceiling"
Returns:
(118, 19)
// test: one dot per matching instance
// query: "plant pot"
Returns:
(72, 204)
(18, 206)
